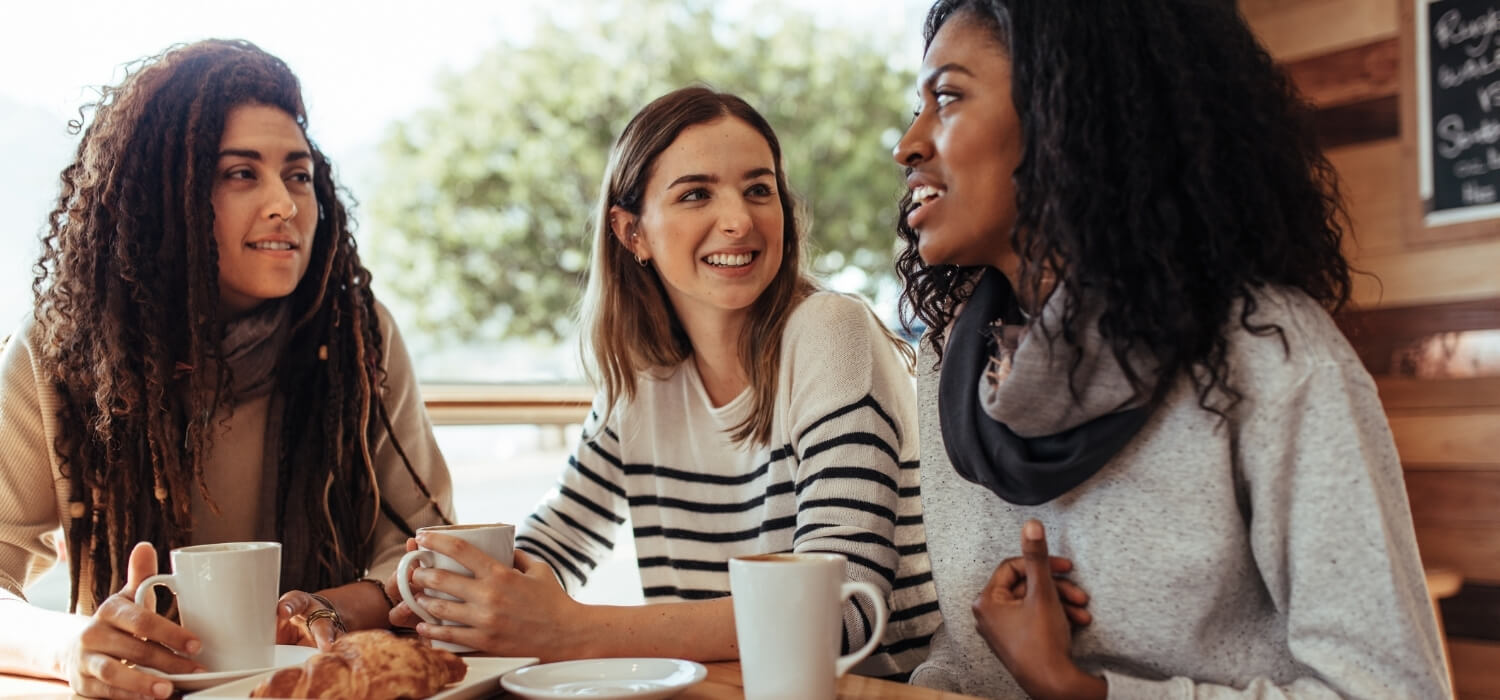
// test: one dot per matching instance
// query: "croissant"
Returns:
(368, 665)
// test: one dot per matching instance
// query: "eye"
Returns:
(760, 189)
(240, 174)
(301, 177)
(696, 194)
(943, 98)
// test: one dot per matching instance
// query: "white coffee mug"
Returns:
(497, 540)
(788, 618)
(226, 596)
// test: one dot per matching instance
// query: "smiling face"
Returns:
(963, 148)
(265, 212)
(710, 222)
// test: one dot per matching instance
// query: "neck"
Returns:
(716, 342)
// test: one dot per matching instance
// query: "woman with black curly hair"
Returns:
(206, 363)
(1125, 242)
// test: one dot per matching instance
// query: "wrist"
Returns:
(1081, 685)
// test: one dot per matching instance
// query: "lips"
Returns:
(923, 197)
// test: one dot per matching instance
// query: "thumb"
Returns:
(142, 565)
(1038, 564)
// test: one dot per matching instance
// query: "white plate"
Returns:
(286, 655)
(605, 679)
(480, 681)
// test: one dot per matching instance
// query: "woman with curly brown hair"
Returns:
(1126, 243)
(206, 363)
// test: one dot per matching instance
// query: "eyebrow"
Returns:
(945, 68)
(711, 179)
(255, 155)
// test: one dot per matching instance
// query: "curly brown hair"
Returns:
(127, 306)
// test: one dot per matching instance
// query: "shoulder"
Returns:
(18, 352)
(1290, 338)
(826, 318)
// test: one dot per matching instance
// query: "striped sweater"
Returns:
(839, 475)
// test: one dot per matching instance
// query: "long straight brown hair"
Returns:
(628, 322)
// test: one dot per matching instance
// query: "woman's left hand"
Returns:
(1020, 615)
(509, 611)
(291, 622)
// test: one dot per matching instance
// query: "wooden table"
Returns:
(723, 683)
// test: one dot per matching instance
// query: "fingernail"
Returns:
(194, 646)
(1032, 530)
(164, 689)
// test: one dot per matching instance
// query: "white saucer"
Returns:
(605, 679)
(286, 655)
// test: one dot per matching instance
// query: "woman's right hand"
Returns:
(121, 635)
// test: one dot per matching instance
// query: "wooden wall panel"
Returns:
(1474, 550)
(1476, 669)
(1294, 29)
(1455, 439)
(1371, 196)
(1430, 275)
(1441, 498)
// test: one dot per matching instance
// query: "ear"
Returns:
(626, 227)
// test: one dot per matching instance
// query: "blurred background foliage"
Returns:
(482, 205)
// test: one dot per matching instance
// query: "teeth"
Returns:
(727, 260)
(922, 194)
(271, 245)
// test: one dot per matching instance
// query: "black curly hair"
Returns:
(129, 332)
(1169, 168)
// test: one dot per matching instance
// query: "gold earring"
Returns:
(635, 238)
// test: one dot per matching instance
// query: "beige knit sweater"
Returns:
(34, 495)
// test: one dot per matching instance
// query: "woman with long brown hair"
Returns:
(741, 410)
(206, 363)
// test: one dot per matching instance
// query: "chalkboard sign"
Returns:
(1458, 73)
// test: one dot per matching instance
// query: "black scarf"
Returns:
(1089, 429)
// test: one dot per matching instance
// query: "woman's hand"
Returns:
(122, 635)
(292, 626)
(508, 611)
(1021, 615)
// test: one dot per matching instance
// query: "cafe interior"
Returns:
(1427, 324)
(1425, 316)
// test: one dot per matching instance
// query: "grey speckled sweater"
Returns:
(1271, 556)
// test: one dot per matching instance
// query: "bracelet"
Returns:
(327, 612)
(379, 587)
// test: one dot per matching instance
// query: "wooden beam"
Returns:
(1356, 74)
(1457, 438)
(1431, 275)
(1358, 122)
(1404, 396)
(1294, 29)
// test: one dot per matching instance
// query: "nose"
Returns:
(915, 145)
(279, 203)
(734, 217)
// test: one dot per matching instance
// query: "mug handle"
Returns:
(147, 589)
(403, 581)
(847, 591)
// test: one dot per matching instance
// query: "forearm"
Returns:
(360, 605)
(695, 630)
(32, 640)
